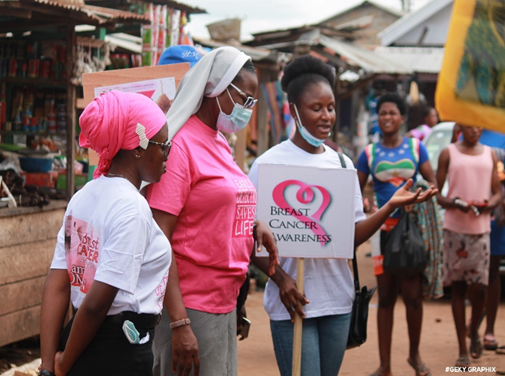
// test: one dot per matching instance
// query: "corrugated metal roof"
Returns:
(100, 14)
(126, 41)
(255, 53)
(364, 59)
(419, 59)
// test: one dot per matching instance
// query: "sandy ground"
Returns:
(438, 342)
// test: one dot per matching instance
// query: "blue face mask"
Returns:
(305, 133)
(235, 121)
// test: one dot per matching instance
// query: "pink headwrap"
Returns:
(110, 123)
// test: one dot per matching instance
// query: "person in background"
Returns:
(391, 163)
(430, 117)
(206, 206)
(497, 240)
(111, 260)
(328, 283)
(474, 190)
(175, 55)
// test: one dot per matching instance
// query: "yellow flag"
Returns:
(471, 85)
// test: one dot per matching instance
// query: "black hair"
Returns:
(392, 98)
(427, 111)
(248, 67)
(304, 71)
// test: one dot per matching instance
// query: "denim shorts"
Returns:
(324, 340)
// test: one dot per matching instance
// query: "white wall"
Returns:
(436, 34)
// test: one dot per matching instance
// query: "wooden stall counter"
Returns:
(27, 241)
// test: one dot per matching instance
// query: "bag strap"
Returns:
(370, 154)
(354, 262)
(414, 146)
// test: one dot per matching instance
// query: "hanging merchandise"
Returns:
(174, 27)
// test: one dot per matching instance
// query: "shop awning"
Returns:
(49, 11)
(255, 53)
(361, 58)
(420, 59)
(125, 41)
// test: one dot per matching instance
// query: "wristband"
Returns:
(45, 372)
(459, 202)
(179, 323)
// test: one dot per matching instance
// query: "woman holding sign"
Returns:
(392, 162)
(328, 283)
(206, 206)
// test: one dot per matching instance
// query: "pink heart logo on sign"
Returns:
(304, 195)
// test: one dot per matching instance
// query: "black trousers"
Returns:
(110, 353)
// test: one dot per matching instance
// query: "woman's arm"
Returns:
(184, 342)
(427, 173)
(362, 178)
(264, 237)
(289, 294)
(55, 304)
(443, 168)
(495, 187)
(88, 319)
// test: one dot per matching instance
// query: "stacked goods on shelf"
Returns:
(28, 59)
(37, 111)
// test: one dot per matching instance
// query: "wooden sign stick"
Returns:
(297, 336)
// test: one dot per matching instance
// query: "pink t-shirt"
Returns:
(469, 178)
(215, 204)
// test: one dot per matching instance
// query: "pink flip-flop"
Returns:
(490, 342)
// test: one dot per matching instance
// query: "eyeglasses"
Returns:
(165, 147)
(249, 102)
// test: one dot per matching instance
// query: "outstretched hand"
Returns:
(264, 237)
(403, 196)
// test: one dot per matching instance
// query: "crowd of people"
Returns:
(153, 275)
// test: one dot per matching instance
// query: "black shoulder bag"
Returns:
(405, 251)
(362, 296)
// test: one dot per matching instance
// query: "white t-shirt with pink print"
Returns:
(215, 205)
(109, 235)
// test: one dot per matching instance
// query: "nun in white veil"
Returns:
(206, 207)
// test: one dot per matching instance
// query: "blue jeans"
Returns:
(324, 340)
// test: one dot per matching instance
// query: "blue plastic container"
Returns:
(33, 164)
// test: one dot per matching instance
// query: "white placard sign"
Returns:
(153, 89)
(309, 210)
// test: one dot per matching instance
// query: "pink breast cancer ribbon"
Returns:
(304, 195)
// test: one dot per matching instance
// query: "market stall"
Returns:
(37, 125)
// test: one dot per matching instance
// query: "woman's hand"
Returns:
(264, 237)
(184, 351)
(403, 196)
(291, 297)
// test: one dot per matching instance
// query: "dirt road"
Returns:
(438, 342)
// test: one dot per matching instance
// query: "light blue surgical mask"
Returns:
(305, 133)
(235, 121)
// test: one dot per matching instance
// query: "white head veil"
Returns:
(209, 77)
